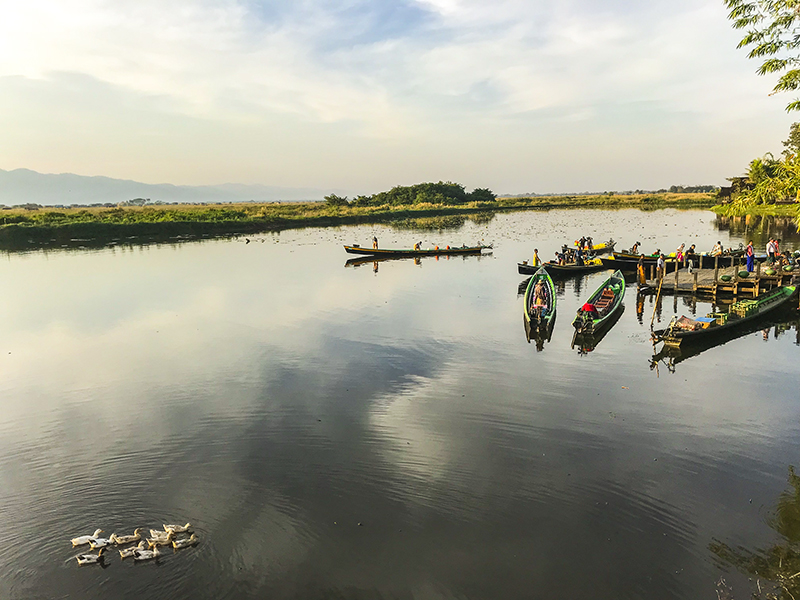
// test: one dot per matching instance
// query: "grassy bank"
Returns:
(22, 228)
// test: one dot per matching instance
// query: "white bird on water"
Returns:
(146, 554)
(90, 559)
(85, 539)
(178, 528)
(126, 552)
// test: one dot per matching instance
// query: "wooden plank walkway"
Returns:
(707, 281)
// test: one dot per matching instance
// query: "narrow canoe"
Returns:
(607, 299)
(685, 329)
(355, 249)
(538, 316)
(556, 270)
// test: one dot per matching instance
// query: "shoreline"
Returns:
(24, 229)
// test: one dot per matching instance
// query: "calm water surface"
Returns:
(341, 432)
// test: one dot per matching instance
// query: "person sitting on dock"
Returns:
(717, 249)
(536, 260)
(750, 256)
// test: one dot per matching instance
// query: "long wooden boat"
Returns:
(672, 355)
(539, 316)
(607, 300)
(601, 248)
(555, 270)
(685, 329)
(356, 249)
(587, 342)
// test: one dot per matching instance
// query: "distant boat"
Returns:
(556, 270)
(607, 300)
(685, 329)
(356, 249)
(539, 317)
(601, 248)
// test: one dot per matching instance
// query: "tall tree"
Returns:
(773, 32)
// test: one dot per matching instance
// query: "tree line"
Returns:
(445, 193)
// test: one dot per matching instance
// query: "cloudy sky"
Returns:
(516, 95)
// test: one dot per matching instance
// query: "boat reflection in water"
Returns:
(374, 260)
(670, 356)
(586, 342)
(541, 334)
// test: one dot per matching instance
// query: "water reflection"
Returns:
(587, 343)
(761, 228)
(778, 325)
(777, 565)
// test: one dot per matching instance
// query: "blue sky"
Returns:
(515, 95)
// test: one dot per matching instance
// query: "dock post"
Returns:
(676, 276)
(694, 287)
(652, 272)
(758, 279)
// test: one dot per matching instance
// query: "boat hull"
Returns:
(767, 303)
(560, 271)
(584, 323)
(411, 252)
(538, 321)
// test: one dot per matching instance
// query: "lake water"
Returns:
(346, 432)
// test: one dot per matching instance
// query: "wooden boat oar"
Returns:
(655, 306)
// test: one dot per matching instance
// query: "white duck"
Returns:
(85, 539)
(96, 543)
(178, 528)
(146, 554)
(155, 534)
(90, 559)
(159, 541)
(125, 539)
(186, 542)
(126, 552)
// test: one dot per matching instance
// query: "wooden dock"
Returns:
(709, 282)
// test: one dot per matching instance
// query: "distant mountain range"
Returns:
(23, 186)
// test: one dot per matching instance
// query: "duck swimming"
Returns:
(126, 552)
(96, 543)
(85, 539)
(125, 539)
(178, 528)
(146, 554)
(160, 535)
(159, 541)
(185, 543)
(90, 559)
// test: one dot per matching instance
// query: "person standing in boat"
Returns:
(750, 256)
(679, 252)
(536, 260)
(418, 246)
(579, 257)
(635, 248)
(374, 242)
(660, 267)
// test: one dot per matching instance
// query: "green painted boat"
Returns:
(539, 312)
(607, 300)
(685, 329)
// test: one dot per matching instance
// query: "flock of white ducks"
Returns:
(146, 549)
